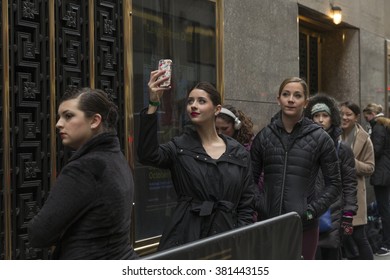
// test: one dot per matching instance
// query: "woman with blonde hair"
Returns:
(290, 151)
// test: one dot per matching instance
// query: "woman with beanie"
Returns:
(323, 110)
(358, 247)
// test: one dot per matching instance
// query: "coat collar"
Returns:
(361, 138)
(190, 141)
(106, 141)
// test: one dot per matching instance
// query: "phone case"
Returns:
(165, 64)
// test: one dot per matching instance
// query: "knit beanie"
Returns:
(330, 103)
(320, 107)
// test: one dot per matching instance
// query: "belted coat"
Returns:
(213, 195)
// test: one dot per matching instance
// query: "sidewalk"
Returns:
(382, 258)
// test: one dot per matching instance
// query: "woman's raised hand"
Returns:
(155, 91)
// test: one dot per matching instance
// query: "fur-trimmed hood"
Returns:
(383, 121)
(328, 101)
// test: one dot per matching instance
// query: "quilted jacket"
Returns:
(347, 201)
(291, 163)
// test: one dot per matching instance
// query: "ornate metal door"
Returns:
(46, 47)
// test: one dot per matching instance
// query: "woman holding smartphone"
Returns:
(211, 173)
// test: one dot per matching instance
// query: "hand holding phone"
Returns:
(165, 64)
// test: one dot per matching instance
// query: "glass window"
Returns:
(184, 31)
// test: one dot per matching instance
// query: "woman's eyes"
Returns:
(200, 101)
(68, 116)
(296, 95)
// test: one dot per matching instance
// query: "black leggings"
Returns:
(363, 246)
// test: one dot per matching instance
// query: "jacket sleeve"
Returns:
(256, 158)
(378, 139)
(365, 166)
(245, 207)
(331, 171)
(348, 178)
(68, 200)
(257, 171)
(149, 151)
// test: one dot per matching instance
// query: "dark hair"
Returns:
(214, 95)
(94, 101)
(295, 80)
(351, 106)
(245, 134)
(328, 101)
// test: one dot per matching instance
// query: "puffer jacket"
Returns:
(380, 137)
(347, 201)
(291, 163)
(214, 196)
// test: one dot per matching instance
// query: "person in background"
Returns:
(358, 247)
(211, 173)
(323, 110)
(234, 123)
(370, 113)
(87, 214)
(290, 151)
(380, 179)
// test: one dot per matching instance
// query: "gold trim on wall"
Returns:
(128, 93)
(128, 81)
(6, 136)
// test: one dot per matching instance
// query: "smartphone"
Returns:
(165, 64)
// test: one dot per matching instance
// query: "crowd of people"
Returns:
(312, 158)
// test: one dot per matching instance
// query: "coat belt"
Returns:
(207, 207)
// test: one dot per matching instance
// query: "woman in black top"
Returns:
(290, 151)
(211, 173)
(87, 214)
(323, 110)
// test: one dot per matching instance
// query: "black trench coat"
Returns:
(213, 195)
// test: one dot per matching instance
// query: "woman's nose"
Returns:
(59, 124)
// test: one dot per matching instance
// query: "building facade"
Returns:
(246, 48)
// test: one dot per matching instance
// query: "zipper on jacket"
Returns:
(284, 180)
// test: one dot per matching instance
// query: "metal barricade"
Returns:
(278, 238)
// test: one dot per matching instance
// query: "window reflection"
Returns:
(184, 31)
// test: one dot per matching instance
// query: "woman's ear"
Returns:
(218, 109)
(96, 121)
